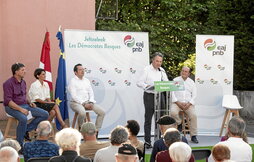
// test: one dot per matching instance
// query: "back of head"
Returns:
(44, 129)
(180, 151)
(220, 152)
(68, 139)
(133, 127)
(171, 135)
(118, 135)
(236, 126)
(88, 129)
(8, 154)
(126, 153)
(12, 143)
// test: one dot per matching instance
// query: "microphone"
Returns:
(159, 69)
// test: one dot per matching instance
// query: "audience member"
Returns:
(240, 151)
(118, 136)
(180, 152)
(164, 122)
(8, 154)
(185, 101)
(41, 147)
(12, 143)
(17, 105)
(39, 93)
(90, 145)
(69, 140)
(126, 153)
(133, 129)
(170, 136)
(220, 153)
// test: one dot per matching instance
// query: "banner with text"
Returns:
(113, 62)
(214, 78)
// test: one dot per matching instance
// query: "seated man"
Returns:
(90, 145)
(41, 147)
(170, 136)
(239, 149)
(118, 136)
(126, 153)
(82, 97)
(184, 101)
(17, 105)
(164, 122)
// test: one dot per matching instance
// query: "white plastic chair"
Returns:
(231, 104)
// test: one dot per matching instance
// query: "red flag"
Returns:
(45, 60)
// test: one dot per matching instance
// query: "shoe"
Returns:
(27, 137)
(148, 145)
(194, 139)
(179, 127)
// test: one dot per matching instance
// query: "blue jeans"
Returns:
(38, 114)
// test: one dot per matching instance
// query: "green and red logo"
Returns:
(210, 44)
(129, 41)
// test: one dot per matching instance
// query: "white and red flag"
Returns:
(45, 61)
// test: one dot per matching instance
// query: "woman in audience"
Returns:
(180, 152)
(68, 140)
(133, 129)
(220, 153)
(39, 93)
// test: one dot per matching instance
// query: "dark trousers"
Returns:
(148, 99)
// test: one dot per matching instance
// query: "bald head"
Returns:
(8, 154)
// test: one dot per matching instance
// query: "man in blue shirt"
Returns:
(41, 147)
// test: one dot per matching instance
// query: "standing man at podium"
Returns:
(153, 72)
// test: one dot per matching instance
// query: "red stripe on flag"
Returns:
(45, 57)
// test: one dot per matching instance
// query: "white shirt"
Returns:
(188, 95)
(106, 154)
(240, 151)
(150, 75)
(81, 90)
(39, 91)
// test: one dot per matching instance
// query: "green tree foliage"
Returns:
(174, 24)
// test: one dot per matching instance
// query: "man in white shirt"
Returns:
(82, 97)
(184, 101)
(152, 72)
(240, 151)
(118, 136)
